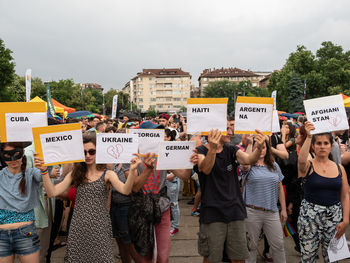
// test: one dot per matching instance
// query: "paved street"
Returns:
(184, 244)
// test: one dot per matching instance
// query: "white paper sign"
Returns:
(205, 117)
(114, 106)
(251, 115)
(275, 122)
(148, 139)
(19, 125)
(175, 155)
(327, 114)
(338, 249)
(65, 146)
(115, 147)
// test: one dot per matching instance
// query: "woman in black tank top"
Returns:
(324, 212)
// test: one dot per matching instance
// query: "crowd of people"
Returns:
(247, 186)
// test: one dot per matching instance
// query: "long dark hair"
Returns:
(268, 158)
(291, 130)
(80, 169)
(22, 185)
(171, 134)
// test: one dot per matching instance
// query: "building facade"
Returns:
(92, 86)
(165, 90)
(230, 74)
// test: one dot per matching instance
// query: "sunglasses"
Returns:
(12, 155)
(91, 152)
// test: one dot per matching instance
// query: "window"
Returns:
(185, 85)
(168, 78)
(168, 99)
(140, 100)
(177, 106)
(139, 93)
(139, 79)
(168, 92)
(254, 84)
(184, 78)
(153, 99)
(152, 93)
(185, 99)
(176, 92)
(151, 79)
(152, 86)
(168, 86)
(205, 79)
(139, 86)
(175, 85)
(140, 106)
(160, 106)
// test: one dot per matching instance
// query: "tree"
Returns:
(296, 91)
(326, 73)
(183, 109)
(7, 72)
(151, 112)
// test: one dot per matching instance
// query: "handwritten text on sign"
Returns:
(327, 114)
(253, 113)
(115, 147)
(178, 151)
(61, 147)
(204, 114)
(148, 139)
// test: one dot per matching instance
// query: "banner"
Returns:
(175, 155)
(28, 84)
(148, 139)
(116, 147)
(58, 144)
(274, 96)
(275, 122)
(114, 106)
(50, 106)
(205, 114)
(18, 118)
(253, 113)
(327, 114)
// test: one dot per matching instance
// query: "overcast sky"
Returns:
(109, 41)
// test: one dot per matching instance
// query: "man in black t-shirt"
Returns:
(222, 210)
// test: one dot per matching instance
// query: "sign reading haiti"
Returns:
(115, 147)
(59, 143)
(175, 155)
(253, 113)
(148, 139)
(205, 114)
(18, 118)
(327, 114)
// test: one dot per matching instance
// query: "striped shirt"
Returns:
(261, 188)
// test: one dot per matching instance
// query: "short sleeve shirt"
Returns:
(221, 195)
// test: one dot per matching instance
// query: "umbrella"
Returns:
(289, 115)
(78, 114)
(299, 113)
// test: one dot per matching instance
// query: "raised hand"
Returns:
(309, 126)
(259, 139)
(194, 157)
(149, 160)
(214, 139)
(39, 163)
(134, 163)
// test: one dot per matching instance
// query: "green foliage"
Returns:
(183, 109)
(151, 112)
(230, 90)
(7, 73)
(326, 73)
(123, 101)
(296, 89)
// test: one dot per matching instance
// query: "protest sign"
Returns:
(28, 84)
(253, 113)
(59, 144)
(175, 155)
(18, 118)
(116, 147)
(148, 139)
(327, 114)
(275, 122)
(114, 106)
(205, 114)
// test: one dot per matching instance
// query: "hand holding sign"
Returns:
(214, 137)
(134, 163)
(149, 160)
(259, 139)
(308, 128)
(39, 162)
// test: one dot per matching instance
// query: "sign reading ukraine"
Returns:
(253, 113)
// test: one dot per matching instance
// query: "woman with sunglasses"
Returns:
(90, 233)
(19, 194)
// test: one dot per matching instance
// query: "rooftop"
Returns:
(227, 72)
(164, 72)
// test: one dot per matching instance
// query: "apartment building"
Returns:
(230, 74)
(92, 86)
(165, 90)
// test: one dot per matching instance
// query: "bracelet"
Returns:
(45, 172)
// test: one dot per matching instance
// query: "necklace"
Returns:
(322, 167)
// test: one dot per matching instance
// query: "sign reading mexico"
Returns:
(18, 118)
(115, 147)
(205, 114)
(59, 143)
(327, 114)
(253, 113)
(179, 151)
(148, 139)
